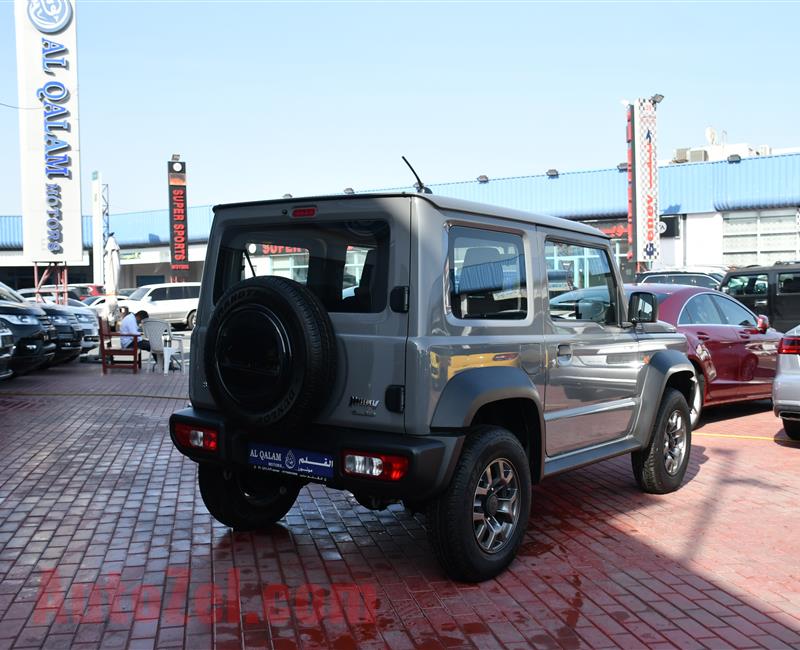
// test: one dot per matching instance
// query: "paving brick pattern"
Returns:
(104, 542)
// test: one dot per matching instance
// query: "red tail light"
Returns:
(371, 465)
(193, 437)
(304, 212)
(789, 345)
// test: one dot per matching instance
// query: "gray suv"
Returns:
(480, 350)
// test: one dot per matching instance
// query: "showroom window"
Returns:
(761, 237)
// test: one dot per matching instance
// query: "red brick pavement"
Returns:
(105, 543)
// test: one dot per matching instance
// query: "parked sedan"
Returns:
(734, 351)
(786, 389)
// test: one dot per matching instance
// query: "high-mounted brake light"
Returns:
(304, 212)
(380, 466)
(193, 437)
(789, 345)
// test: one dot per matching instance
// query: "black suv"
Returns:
(6, 350)
(69, 332)
(34, 335)
(770, 290)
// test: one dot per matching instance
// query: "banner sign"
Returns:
(47, 82)
(631, 189)
(645, 181)
(178, 237)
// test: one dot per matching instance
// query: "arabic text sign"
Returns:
(47, 81)
(298, 462)
(648, 247)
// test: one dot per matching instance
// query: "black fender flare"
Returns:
(663, 366)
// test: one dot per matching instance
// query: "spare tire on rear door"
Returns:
(270, 353)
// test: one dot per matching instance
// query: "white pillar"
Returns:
(97, 228)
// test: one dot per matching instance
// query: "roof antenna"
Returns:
(419, 186)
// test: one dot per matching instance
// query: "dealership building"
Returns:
(735, 206)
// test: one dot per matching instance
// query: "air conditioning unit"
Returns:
(698, 155)
(681, 155)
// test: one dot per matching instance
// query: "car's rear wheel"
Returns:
(191, 319)
(660, 467)
(792, 428)
(476, 526)
(245, 499)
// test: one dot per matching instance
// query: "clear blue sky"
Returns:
(267, 98)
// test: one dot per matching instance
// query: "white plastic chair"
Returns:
(153, 330)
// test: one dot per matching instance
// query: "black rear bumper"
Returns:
(432, 458)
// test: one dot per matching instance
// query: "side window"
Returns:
(789, 282)
(747, 285)
(176, 293)
(192, 292)
(158, 294)
(654, 279)
(705, 281)
(734, 313)
(586, 289)
(700, 310)
(486, 274)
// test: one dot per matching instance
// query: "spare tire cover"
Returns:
(270, 353)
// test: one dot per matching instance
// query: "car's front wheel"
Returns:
(696, 408)
(660, 467)
(245, 499)
(476, 526)
(792, 428)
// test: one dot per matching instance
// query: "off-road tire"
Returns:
(696, 408)
(449, 517)
(225, 496)
(289, 381)
(791, 428)
(650, 464)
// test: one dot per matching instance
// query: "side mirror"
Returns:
(642, 307)
(762, 323)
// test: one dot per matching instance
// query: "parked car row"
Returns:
(42, 334)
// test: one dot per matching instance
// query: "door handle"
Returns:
(703, 336)
(564, 354)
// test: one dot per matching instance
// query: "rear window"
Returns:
(789, 282)
(345, 264)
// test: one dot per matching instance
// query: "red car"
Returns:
(734, 351)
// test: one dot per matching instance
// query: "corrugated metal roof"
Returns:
(600, 193)
(152, 227)
(11, 232)
(757, 183)
(754, 183)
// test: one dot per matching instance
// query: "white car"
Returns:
(173, 302)
(786, 387)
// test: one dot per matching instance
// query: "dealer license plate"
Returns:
(290, 460)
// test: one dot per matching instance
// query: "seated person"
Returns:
(130, 325)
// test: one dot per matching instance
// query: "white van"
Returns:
(173, 302)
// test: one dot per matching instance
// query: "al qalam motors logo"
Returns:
(50, 16)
